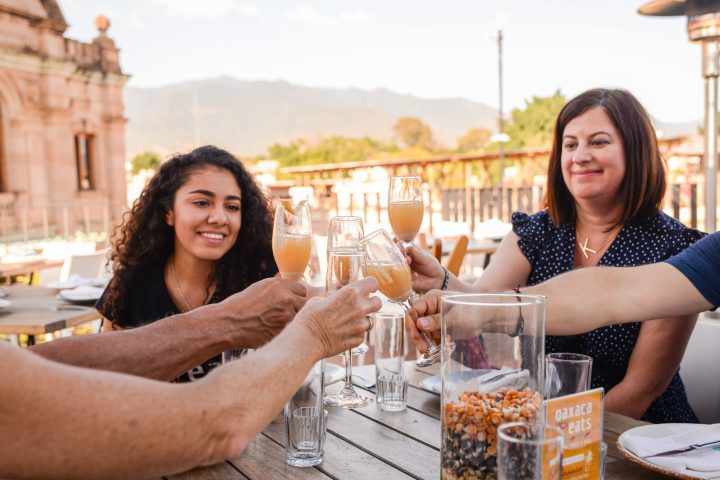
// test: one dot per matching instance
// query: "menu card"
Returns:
(580, 416)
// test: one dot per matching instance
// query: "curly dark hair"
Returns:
(145, 238)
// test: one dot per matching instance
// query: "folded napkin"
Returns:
(492, 381)
(701, 463)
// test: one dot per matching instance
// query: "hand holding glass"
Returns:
(385, 262)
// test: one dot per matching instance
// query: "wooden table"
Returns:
(369, 443)
(11, 269)
(37, 310)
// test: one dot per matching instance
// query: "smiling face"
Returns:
(206, 214)
(593, 158)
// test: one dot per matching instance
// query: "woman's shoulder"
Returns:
(536, 224)
(664, 226)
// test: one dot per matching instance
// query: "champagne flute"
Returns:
(291, 240)
(345, 265)
(345, 232)
(385, 262)
(405, 208)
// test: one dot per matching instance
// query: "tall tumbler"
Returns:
(499, 380)
(305, 421)
(530, 451)
(567, 373)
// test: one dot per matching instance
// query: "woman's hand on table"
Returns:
(338, 322)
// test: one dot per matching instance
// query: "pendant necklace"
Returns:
(177, 285)
(584, 249)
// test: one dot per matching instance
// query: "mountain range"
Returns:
(245, 117)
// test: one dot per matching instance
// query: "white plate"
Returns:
(657, 430)
(434, 384)
(81, 294)
(4, 304)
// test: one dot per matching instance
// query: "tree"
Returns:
(533, 125)
(411, 132)
(474, 139)
(144, 161)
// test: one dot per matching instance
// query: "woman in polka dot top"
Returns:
(606, 182)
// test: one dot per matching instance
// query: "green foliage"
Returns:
(330, 150)
(411, 132)
(474, 139)
(144, 161)
(533, 125)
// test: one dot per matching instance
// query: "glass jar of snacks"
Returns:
(492, 371)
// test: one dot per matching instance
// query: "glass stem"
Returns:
(348, 370)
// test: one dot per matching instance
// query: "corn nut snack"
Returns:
(469, 427)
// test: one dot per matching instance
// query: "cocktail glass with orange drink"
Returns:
(344, 233)
(345, 265)
(292, 240)
(385, 262)
(405, 207)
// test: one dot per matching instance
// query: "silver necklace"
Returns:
(177, 285)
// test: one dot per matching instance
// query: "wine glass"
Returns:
(291, 240)
(345, 265)
(345, 232)
(385, 262)
(405, 208)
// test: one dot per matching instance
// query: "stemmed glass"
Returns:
(344, 233)
(345, 265)
(405, 208)
(385, 262)
(291, 240)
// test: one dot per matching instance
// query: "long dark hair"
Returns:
(643, 187)
(145, 238)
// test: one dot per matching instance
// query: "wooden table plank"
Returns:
(405, 453)
(264, 459)
(343, 460)
(221, 471)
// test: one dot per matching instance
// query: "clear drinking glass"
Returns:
(345, 265)
(499, 380)
(305, 421)
(405, 207)
(385, 262)
(567, 373)
(529, 450)
(345, 232)
(292, 240)
(390, 379)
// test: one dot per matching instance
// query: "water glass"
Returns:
(390, 379)
(529, 450)
(305, 421)
(567, 373)
(603, 458)
(392, 392)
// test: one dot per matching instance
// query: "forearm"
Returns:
(629, 400)
(278, 370)
(161, 350)
(616, 295)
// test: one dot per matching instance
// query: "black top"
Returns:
(551, 250)
(701, 265)
(149, 300)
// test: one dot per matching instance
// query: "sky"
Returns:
(430, 49)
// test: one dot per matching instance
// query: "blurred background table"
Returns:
(37, 310)
(369, 443)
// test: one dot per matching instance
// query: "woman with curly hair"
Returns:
(200, 231)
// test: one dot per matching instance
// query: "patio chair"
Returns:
(90, 265)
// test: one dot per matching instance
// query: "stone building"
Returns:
(62, 124)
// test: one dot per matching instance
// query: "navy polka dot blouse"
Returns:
(551, 249)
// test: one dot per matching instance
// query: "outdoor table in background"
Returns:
(369, 443)
(37, 310)
(26, 267)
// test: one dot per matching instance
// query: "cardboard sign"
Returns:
(580, 416)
